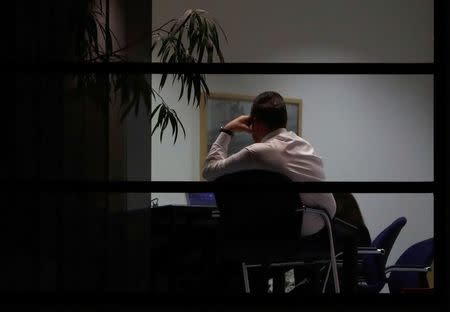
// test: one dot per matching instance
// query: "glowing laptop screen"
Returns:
(201, 199)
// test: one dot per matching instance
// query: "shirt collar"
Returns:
(273, 134)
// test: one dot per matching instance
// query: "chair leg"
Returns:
(279, 281)
(333, 258)
(245, 275)
(327, 277)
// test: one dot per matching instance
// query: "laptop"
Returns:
(201, 200)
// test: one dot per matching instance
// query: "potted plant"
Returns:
(192, 38)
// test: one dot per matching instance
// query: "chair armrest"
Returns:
(370, 251)
(317, 210)
(407, 268)
(365, 251)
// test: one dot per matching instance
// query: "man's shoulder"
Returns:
(258, 147)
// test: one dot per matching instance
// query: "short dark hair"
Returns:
(269, 108)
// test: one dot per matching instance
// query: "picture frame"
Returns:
(219, 108)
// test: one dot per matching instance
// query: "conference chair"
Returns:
(409, 271)
(260, 228)
(374, 265)
(349, 214)
(348, 218)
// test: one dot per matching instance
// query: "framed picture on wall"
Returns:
(219, 108)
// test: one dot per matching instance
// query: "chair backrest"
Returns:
(374, 265)
(420, 254)
(258, 215)
(347, 209)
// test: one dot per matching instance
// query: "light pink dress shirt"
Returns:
(281, 151)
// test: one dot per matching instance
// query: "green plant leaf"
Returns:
(215, 40)
(201, 47)
(164, 125)
(160, 115)
(210, 51)
(155, 110)
(163, 80)
(182, 88)
(181, 124)
(197, 91)
(173, 123)
(183, 19)
(178, 41)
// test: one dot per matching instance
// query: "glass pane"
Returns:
(96, 241)
(364, 127)
(316, 30)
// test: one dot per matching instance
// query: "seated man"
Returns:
(275, 149)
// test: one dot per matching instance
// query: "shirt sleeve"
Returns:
(218, 163)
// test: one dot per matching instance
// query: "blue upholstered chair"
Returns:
(374, 265)
(411, 267)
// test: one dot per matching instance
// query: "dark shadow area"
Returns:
(68, 242)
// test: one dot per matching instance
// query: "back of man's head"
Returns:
(270, 109)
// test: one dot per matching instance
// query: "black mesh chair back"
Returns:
(260, 225)
(258, 215)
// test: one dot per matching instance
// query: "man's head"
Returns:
(268, 114)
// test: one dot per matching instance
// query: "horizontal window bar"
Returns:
(180, 300)
(232, 68)
(181, 187)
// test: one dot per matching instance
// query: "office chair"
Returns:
(348, 218)
(411, 267)
(374, 265)
(261, 229)
(349, 213)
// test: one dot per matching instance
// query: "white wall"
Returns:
(365, 127)
(316, 30)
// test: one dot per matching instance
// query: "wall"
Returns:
(317, 30)
(365, 127)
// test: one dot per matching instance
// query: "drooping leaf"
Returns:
(173, 124)
(181, 124)
(160, 115)
(163, 80)
(155, 110)
(178, 40)
(197, 91)
(164, 125)
(182, 88)
(183, 19)
(210, 50)
(202, 46)
(215, 41)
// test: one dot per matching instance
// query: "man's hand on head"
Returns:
(239, 124)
